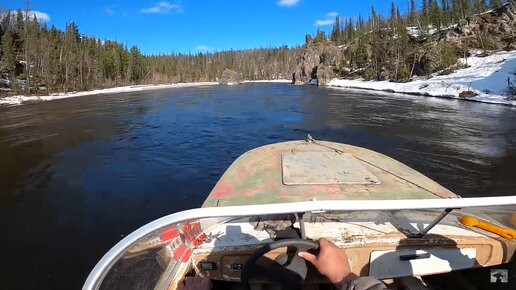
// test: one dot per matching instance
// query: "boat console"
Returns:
(380, 244)
(248, 249)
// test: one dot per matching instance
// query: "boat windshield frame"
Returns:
(100, 271)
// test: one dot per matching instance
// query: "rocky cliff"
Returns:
(439, 51)
(318, 63)
(493, 30)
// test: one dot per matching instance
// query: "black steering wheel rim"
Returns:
(251, 261)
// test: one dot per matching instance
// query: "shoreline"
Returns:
(280, 81)
(420, 95)
(21, 99)
(486, 76)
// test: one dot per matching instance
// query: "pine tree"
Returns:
(456, 7)
(135, 67)
(425, 9)
(446, 12)
(69, 56)
(373, 18)
(336, 31)
(393, 19)
(350, 31)
(20, 21)
(8, 53)
(320, 37)
(435, 14)
(5, 22)
(412, 13)
(402, 72)
(51, 61)
(495, 3)
(26, 50)
(465, 8)
(479, 6)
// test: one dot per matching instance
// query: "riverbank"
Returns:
(282, 81)
(18, 100)
(485, 76)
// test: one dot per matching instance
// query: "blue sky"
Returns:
(199, 25)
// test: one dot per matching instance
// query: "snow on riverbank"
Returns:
(17, 100)
(270, 81)
(486, 76)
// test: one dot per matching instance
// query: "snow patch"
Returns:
(486, 76)
(283, 81)
(18, 100)
(416, 32)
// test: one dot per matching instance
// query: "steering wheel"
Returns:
(288, 270)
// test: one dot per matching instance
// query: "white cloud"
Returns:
(162, 7)
(42, 17)
(203, 47)
(330, 19)
(325, 22)
(110, 10)
(288, 3)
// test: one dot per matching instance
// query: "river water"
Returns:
(79, 174)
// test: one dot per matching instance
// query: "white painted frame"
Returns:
(104, 265)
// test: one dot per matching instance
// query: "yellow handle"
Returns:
(470, 221)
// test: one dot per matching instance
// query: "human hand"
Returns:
(332, 262)
(195, 283)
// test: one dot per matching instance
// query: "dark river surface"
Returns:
(78, 174)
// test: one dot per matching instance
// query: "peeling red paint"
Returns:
(186, 255)
(168, 234)
(200, 240)
(257, 177)
(332, 189)
(223, 190)
(179, 251)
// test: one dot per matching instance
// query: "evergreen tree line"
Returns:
(390, 47)
(35, 59)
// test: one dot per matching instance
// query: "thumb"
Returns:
(309, 257)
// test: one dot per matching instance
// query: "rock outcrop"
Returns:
(318, 63)
(439, 52)
(493, 30)
(230, 77)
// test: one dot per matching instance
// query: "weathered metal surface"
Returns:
(316, 167)
(256, 178)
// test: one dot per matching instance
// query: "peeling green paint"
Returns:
(256, 178)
